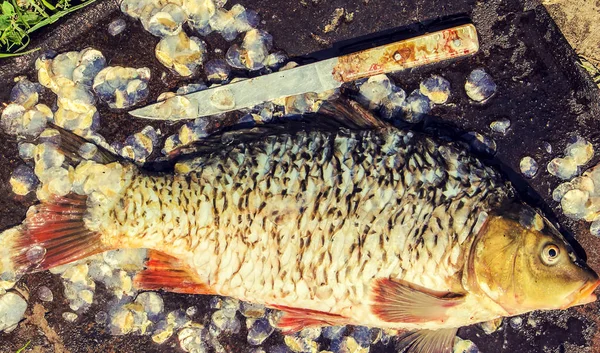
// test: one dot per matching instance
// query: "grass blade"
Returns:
(24, 347)
(55, 17)
(9, 55)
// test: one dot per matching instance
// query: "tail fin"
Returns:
(54, 233)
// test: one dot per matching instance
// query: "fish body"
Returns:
(315, 218)
(374, 226)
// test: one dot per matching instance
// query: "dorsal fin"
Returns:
(70, 145)
(332, 116)
(351, 114)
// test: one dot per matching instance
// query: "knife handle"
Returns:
(425, 49)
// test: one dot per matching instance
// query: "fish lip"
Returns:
(584, 295)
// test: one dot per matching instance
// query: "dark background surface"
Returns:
(541, 89)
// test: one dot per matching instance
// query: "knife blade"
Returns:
(318, 77)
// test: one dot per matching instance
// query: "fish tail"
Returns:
(53, 234)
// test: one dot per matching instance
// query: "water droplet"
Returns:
(45, 294)
(259, 332)
(217, 71)
(152, 303)
(23, 180)
(223, 99)
(372, 92)
(36, 254)
(528, 166)
(561, 190)
(564, 168)
(71, 317)
(516, 323)
(25, 93)
(121, 87)
(417, 106)
(193, 339)
(252, 310)
(500, 126)
(580, 150)
(230, 23)
(116, 27)
(464, 346)
(12, 309)
(595, 227)
(101, 317)
(574, 202)
(181, 53)
(436, 88)
(480, 86)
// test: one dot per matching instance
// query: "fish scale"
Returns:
(266, 199)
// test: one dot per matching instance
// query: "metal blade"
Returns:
(314, 77)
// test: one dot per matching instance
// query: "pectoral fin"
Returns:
(170, 274)
(428, 341)
(400, 301)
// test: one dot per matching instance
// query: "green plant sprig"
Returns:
(19, 18)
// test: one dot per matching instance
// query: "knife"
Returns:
(318, 77)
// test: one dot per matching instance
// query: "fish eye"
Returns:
(550, 254)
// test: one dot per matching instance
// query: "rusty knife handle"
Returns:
(422, 50)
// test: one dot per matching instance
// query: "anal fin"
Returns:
(54, 233)
(400, 301)
(170, 274)
(297, 319)
(428, 341)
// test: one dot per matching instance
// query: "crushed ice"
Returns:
(436, 88)
(181, 53)
(122, 87)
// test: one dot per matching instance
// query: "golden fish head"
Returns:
(523, 263)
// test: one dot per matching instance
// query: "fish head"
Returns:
(523, 263)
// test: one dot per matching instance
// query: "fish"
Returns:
(338, 218)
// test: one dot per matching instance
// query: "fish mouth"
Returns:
(584, 295)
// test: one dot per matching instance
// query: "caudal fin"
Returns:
(54, 233)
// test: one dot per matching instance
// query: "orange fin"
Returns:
(54, 234)
(428, 341)
(400, 301)
(170, 274)
(296, 319)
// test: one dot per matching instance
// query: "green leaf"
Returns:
(7, 8)
(31, 17)
(48, 5)
(4, 22)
